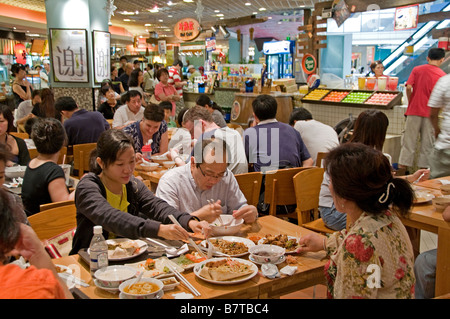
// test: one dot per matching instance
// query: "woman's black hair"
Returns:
(110, 145)
(48, 135)
(134, 78)
(7, 115)
(204, 100)
(362, 174)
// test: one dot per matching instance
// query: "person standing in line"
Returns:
(418, 89)
(45, 76)
(123, 62)
(176, 79)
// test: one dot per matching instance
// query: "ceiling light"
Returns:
(154, 9)
(219, 15)
(216, 11)
(147, 25)
(127, 13)
(255, 12)
(248, 4)
(170, 3)
(262, 9)
(170, 16)
(188, 1)
(127, 20)
(161, 20)
(214, 29)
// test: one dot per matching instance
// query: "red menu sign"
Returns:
(187, 29)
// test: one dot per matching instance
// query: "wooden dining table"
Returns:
(425, 217)
(310, 271)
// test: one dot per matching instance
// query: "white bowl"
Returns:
(113, 276)
(150, 295)
(159, 159)
(149, 166)
(168, 164)
(233, 228)
(266, 253)
(15, 171)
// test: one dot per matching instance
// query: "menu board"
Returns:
(69, 55)
(102, 55)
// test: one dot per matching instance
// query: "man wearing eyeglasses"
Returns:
(190, 187)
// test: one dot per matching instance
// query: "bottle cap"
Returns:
(98, 229)
(146, 148)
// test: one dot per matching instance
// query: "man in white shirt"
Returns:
(130, 112)
(199, 122)
(44, 75)
(318, 137)
(23, 111)
(440, 100)
(190, 187)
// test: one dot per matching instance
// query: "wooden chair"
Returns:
(279, 189)
(33, 153)
(307, 190)
(320, 157)
(23, 136)
(81, 156)
(52, 222)
(48, 206)
(250, 185)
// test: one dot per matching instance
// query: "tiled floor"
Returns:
(428, 241)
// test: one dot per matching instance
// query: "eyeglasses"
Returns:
(209, 175)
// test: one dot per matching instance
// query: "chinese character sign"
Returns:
(102, 53)
(187, 29)
(69, 55)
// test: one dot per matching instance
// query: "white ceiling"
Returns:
(283, 16)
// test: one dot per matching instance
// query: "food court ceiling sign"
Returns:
(187, 29)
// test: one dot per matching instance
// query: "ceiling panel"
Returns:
(283, 16)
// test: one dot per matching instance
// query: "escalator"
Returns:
(400, 64)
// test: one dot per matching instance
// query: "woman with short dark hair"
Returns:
(165, 91)
(44, 180)
(375, 242)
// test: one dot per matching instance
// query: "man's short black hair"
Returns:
(65, 103)
(436, 54)
(265, 107)
(178, 62)
(299, 114)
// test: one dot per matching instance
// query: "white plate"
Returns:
(261, 242)
(142, 248)
(245, 241)
(159, 295)
(111, 290)
(423, 197)
(158, 272)
(282, 259)
(253, 267)
(69, 283)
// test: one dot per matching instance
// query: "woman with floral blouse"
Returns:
(373, 257)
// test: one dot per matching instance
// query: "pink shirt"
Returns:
(422, 78)
(166, 90)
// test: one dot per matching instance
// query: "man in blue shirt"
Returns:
(270, 144)
(82, 126)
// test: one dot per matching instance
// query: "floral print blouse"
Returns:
(135, 132)
(373, 259)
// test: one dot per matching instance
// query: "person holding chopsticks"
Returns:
(112, 197)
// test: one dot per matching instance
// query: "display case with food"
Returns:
(356, 98)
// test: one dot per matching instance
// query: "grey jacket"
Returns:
(146, 212)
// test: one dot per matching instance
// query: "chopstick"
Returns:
(184, 281)
(211, 202)
(193, 244)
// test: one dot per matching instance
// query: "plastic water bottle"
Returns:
(98, 250)
(147, 150)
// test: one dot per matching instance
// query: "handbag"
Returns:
(153, 100)
(60, 245)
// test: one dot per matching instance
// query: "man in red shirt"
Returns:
(176, 79)
(418, 89)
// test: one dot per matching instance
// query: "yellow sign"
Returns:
(187, 29)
